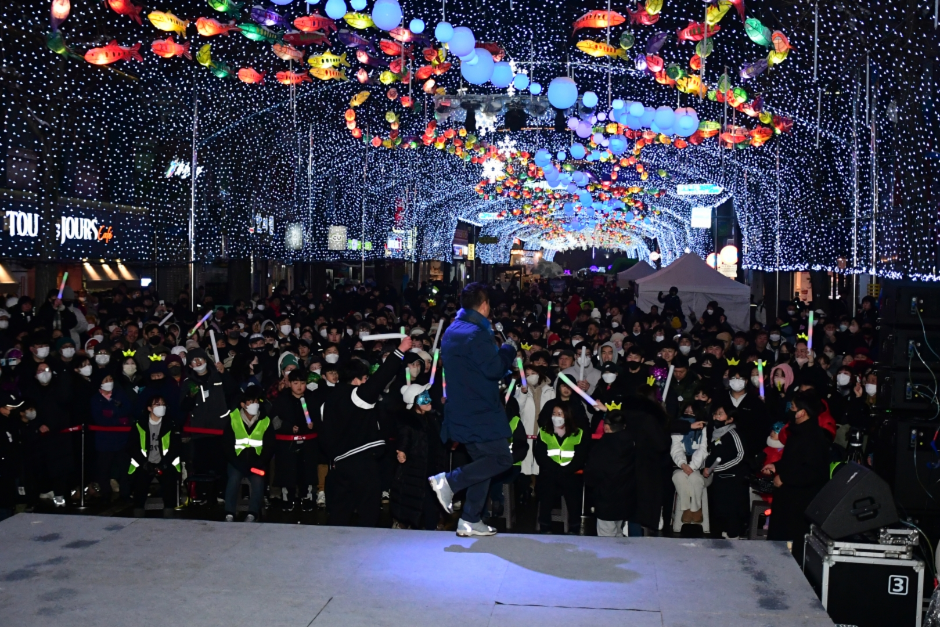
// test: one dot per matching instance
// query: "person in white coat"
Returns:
(688, 453)
(532, 399)
(583, 372)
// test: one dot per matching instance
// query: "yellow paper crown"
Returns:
(650, 380)
(802, 336)
(761, 362)
(526, 347)
(612, 405)
(155, 357)
(732, 361)
(129, 353)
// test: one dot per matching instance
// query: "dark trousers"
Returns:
(142, 480)
(727, 505)
(431, 511)
(208, 462)
(296, 461)
(110, 465)
(354, 484)
(255, 485)
(489, 459)
(552, 485)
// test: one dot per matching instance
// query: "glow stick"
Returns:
(437, 353)
(760, 374)
(809, 334)
(65, 277)
(437, 337)
(548, 319)
(407, 375)
(574, 387)
(303, 403)
(199, 324)
(711, 468)
(382, 336)
(444, 381)
(258, 471)
(521, 373)
(668, 382)
(215, 349)
(583, 354)
(168, 316)
(512, 384)
(403, 331)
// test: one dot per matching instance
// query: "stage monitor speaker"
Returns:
(854, 501)
(910, 303)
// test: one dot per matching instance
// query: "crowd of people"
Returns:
(631, 415)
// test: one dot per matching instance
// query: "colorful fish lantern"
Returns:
(226, 6)
(255, 32)
(208, 27)
(654, 7)
(286, 52)
(367, 59)
(627, 39)
(359, 21)
(654, 63)
(776, 58)
(60, 12)
(56, 43)
(297, 38)
(167, 48)
(760, 136)
(642, 17)
(655, 43)
(715, 13)
(220, 70)
(599, 49)
(758, 33)
(325, 74)
(782, 124)
(395, 49)
(267, 17)
(599, 19)
(328, 59)
(752, 70)
(250, 76)
(353, 40)
(292, 78)
(675, 71)
(359, 98)
(704, 48)
(495, 50)
(204, 55)
(112, 53)
(780, 42)
(126, 7)
(314, 22)
(168, 22)
(362, 76)
(739, 6)
(695, 62)
(696, 31)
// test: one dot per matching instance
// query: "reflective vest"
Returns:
(561, 454)
(242, 439)
(513, 423)
(145, 449)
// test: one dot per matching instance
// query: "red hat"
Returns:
(861, 350)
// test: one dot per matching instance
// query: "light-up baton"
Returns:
(444, 382)
(215, 349)
(65, 277)
(582, 393)
(548, 319)
(303, 403)
(437, 353)
(199, 324)
(521, 372)
(382, 336)
(760, 375)
(583, 354)
(512, 384)
(668, 382)
(809, 333)
(437, 336)
(164, 321)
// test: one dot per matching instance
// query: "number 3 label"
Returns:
(897, 585)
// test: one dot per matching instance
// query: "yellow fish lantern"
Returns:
(390, 117)
(204, 56)
(765, 117)
(168, 22)
(714, 14)
(776, 58)
(327, 60)
(359, 98)
(599, 49)
(653, 7)
(359, 21)
(387, 77)
(325, 74)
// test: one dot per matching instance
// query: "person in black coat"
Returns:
(610, 475)
(296, 416)
(49, 448)
(560, 451)
(801, 472)
(419, 454)
(154, 448)
(727, 464)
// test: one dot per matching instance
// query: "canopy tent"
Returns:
(636, 271)
(698, 284)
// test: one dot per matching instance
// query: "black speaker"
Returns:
(854, 501)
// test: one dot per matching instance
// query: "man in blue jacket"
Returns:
(473, 414)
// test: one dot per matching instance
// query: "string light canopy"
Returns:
(274, 127)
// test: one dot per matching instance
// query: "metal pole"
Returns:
(192, 207)
(815, 40)
(855, 177)
(874, 188)
(777, 294)
(818, 113)
(365, 191)
(81, 487)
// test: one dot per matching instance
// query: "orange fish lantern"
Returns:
(112, 53)
(642, 16)
(680, 143)
(407, 102)
(376, 142)
(126, 7)
(760, 136)
(208, 27)
(395, 66)
(357, 133)
(695, 62)
(310, 23)
(286, 52)
(695, 31)
(428, 87)
(250, 76)
(350, 115)
(395, 49)
(292, 78)
(663, 79)
(654, 63)
(734, 135)
(598, 19)
(424, 72)
(780, 42)
(60, 12)
(167, 48)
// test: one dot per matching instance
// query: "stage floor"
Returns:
(113, 572)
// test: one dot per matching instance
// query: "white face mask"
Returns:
(558, 421)
(260, 307)
(349, 332)
(755, 381)
(871, 389)
(68, 352)
(659, 338)
(614, 324)
(636, 334)
(200, 368)
(532, 379)
(252, 408)
(85, 371)
(296, 331)
(159, 411)
(13, 362)
(285, 329)
(4, 323)
(42, 352)
(330, 384)
(709, 311)
(609, 377)
(843, 327)
(685, 350)
(843, 379)
(30, 414)
(44, 377)
(322, 332)
(107, 386)
(331, 358)
(736, 384)
(130, 369)
(102, 360)
(312, 386)
(90, 352)
(774, 337)
(584, 361)
(98, 338)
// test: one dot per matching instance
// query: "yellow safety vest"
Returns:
(242, 439)
(145, 449)
(561, 454)
(513, 423)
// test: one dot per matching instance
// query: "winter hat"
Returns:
(424, 355)
(410, 393)
(286, 359)
(64, 341)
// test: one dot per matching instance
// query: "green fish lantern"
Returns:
(705, 47)
(758, 33)
(226, 6)
(724, 84)
(255, 32)
(390, 117)
(221, 70)
(675, 71)
(627, 39)
(740, 94)
(56, 43)
(204, 56)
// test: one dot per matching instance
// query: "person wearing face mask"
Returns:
(61, 361)
(154, 448)
(634, 371)
(110, 407)
(610, 476)
(688, 453)
(128, 379)
(159, 382)
(10, 452)
(206, 396)
(248, 443)
(682, 387)
(751, 416)
(38, 353)
(102, 359)
(560, 451)
(49, 453)
(726, 465)
(583, 372)
(531, 401)
(801, 472)
(54, 315)
(296, 424)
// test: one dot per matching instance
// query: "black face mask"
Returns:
(233, 335)
(258, 349)
(698, 406)
(154, 340)
(174, 370)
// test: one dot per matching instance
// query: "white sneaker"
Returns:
(229, 518)
(385, 496)
(115, 486)
(467, 530)
(59, 501)
(250, 518)
(442, 489)
(458, 505)
(321, 499)
(47, 496)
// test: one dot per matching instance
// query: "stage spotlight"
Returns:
(516, 119)
(561, 122)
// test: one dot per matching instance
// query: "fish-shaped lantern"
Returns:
(60, 12)
(782, 124)
(402, 34)
(328, 59)
(655, 43)
(359, 98)
(776, 58)
(112, 53)
(204, 55)
(208, 27)
(640, 16)
(387, 77)
(267, 17)
(221, 70)
(758, 33)
(704, 48)
(250, 76)
(167, 48)
(654, 7)
(362, 76)
(599, 49)
(352, 40)
(395, 49)
(359, 21)
(494, 49)
(286, 52)
(654, 63)
(255, 32)
(226, 6)
(750, 70)
(56, 42)
(310, 23)
(695, 31)
(739, 6)
(427, 71)
(297, 38)
(367, 59)
(325, 74)
(168, 22)
(128, 8)
(292, 78)
(780, 42)
(598, 19)
(675, 71)
(627, 39)
(714, 14)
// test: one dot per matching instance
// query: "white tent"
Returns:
(698, 284)
(636, 271)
